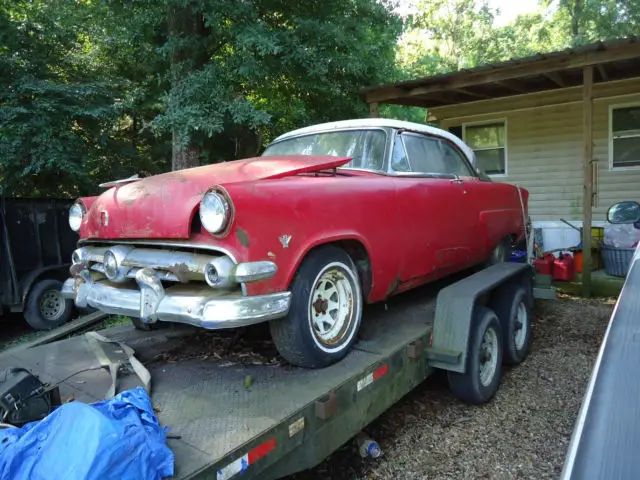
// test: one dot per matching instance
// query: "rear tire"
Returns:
(502, 252)
(325, 312)
(481, 379)
(512, 308)
(46, 308)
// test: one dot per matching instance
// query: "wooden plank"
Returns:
(58, 333)
(587, 198)
(551, 63)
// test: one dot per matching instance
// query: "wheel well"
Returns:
(56, 272)
(360, 257)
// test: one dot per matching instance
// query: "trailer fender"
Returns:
(59, 272)
(455, 304)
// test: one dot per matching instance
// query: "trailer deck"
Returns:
(228, 424)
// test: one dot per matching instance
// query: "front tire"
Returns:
(325, 312)
(479, 383)
(46, 308)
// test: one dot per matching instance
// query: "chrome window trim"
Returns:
(384, 130)
(448, 176)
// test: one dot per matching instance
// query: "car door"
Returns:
(437, 236)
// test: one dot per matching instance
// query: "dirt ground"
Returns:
(523, 433)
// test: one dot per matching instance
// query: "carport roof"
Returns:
(612, 60)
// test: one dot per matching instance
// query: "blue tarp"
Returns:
(118, 438)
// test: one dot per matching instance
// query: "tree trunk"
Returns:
(185, 23)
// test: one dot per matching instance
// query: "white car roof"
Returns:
(380, 122)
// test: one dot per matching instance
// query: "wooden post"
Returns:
(373, 110)
(587, 198)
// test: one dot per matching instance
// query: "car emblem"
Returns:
(104, 218)
(284, 240)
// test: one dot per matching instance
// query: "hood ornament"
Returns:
(123, 181)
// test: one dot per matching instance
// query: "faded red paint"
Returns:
(163, 206)
(414, 230)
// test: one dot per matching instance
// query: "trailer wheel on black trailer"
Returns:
(45, 307)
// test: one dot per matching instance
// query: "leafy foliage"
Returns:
(93, 90)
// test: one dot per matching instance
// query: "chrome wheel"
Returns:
(488, 356)
(52, 305)
(521, 326)
(332, 305)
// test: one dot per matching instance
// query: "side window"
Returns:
(425, 153)
(454, 161)
(399, 161)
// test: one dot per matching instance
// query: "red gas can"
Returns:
(564, 268)
(544, 265)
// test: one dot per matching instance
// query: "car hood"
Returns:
(162, 206)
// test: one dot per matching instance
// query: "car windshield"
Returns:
(365, 147)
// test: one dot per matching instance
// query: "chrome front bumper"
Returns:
(206, 308)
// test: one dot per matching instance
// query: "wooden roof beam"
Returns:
(551, 63)
(512, 86)
(556, 78)
(464, 91)
(603, 72)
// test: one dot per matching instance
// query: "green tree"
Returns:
(255, 69)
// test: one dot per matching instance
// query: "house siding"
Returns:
(545, 149)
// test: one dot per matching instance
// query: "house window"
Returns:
(625, 136)
(488, 141)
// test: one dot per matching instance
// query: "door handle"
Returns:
(457, 180)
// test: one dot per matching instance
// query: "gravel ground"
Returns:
(522, 434)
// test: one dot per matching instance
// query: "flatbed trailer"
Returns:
(265, 421)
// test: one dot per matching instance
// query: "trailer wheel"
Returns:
(484, 360)
(45, 307)
(325, 312)
(512, 308)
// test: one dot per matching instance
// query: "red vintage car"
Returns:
(329, 217)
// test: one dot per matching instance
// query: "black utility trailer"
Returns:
(36, 244)
(288, 419)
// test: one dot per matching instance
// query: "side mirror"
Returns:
(624, 212)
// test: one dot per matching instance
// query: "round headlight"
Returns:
(110, 266)
(214, 212)
(76, 212)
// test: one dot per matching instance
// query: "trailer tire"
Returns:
(512, 307)
(45, 307)
(317, 333)
(481, 379)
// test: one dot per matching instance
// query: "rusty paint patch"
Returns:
(394, 286)
(243, 237)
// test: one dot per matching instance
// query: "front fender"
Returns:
(282, 220)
